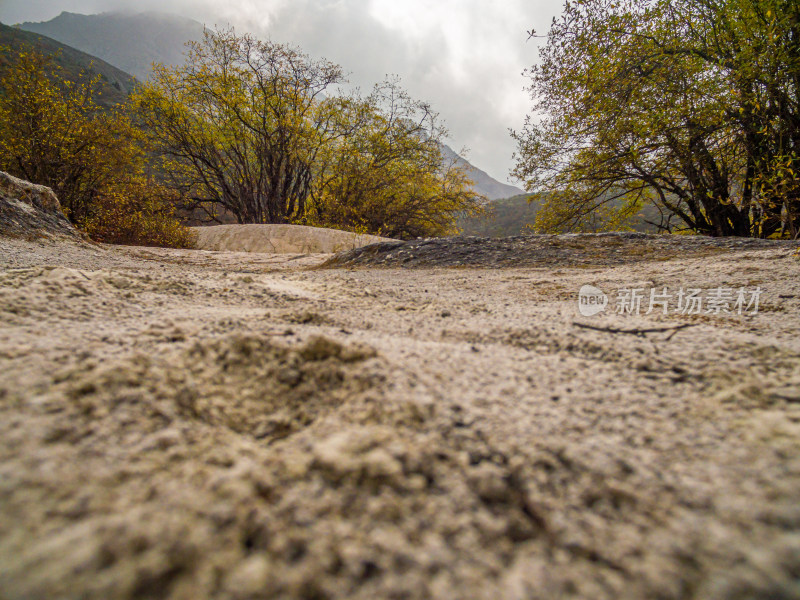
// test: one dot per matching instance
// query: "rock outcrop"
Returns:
(31, 211)
(280, 239)
(545, 250)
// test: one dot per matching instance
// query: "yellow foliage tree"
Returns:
(239, 126)
(259, 131)
(387, 175)
(685, 107)
(53, 133)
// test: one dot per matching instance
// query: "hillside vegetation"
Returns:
(517, 216)
(501, 218)
(114, 85)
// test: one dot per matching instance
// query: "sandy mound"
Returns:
(31, 211)
(280, 239)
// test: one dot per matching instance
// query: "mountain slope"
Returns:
(115, 84)
(131, 41)
(485, 184)
(503, 217)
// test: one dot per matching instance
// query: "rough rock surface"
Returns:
(280, 239)
(184, 424)
(31, 211)
(543, 250)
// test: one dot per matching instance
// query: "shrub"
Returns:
(140, 213)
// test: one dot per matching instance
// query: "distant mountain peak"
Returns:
(484, 184)
(130, 40)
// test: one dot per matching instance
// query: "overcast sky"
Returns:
(464, 57)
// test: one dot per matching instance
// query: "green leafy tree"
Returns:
(690, 106)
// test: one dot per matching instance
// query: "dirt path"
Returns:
(186, 424)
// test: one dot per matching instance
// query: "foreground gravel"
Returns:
(187, 424)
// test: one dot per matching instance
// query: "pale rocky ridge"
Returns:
(31, 211)
(280, 239)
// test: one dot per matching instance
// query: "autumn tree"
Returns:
(53, 133)
(687, 105)
(263, 132)
(386, 175)
(241, 124)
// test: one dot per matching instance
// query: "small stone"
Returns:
(250, 577)
(321, 348)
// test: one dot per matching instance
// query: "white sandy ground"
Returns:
(189, 424)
